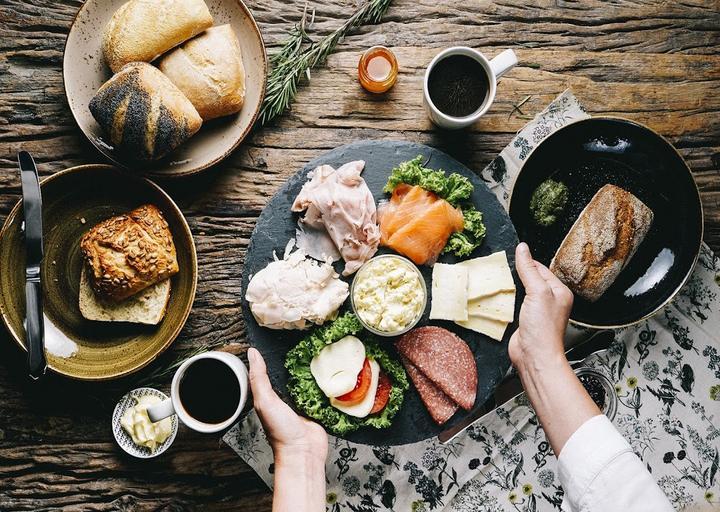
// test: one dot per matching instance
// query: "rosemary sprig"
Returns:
(299, 54)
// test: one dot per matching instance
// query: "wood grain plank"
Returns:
(653, 62)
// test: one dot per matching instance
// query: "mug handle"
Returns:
(503, 62)
(161, 410)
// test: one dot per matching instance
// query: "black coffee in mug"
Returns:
(209, 391)
(458, 85)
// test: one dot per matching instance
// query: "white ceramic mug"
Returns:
(494, 69)
(173, 405)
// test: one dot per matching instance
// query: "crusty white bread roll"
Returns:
(144, 114)
(601, 242)
(142, 30)
(209, 70)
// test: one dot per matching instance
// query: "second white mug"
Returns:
(174, 405)
(493, 69)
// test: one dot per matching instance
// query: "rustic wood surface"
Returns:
(651, 61)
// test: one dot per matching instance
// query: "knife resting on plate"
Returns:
(32, 227)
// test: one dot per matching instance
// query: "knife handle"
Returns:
(35, 329)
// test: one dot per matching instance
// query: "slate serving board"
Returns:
(276, 226)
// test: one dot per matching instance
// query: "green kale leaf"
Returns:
(464, 242)
(310, 399)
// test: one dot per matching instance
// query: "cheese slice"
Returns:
(492, 328)
(337, 366)
(449, 292)
(362, 408)
(488, 275)
(500, 306)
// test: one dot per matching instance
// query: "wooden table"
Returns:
(656, 64)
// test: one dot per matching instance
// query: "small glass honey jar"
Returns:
(377, 69)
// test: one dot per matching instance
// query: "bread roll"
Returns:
(144, 114)
(128, 253)
(601, 242)
(145, 307)
(142, 30)
(209, 70)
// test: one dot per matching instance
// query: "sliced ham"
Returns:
(443, 358)
(438, 404)
(339, 203)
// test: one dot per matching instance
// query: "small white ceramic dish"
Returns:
(122, 437)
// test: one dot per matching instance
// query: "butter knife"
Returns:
(32, 226)
(510, 386)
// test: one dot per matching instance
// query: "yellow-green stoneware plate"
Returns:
(74, 201)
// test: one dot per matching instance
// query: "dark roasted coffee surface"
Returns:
(209, 391)
(458, 85)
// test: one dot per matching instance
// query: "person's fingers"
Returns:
(259, 382)
(527, 270)
(559, 290)
(548, 276)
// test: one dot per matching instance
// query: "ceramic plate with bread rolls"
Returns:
(166, 88)
(612, 209)
(119, 272)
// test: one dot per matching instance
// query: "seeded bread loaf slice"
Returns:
(145, 307)
(601, 242)
(128, 253)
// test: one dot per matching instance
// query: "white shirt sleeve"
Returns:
(600, 473)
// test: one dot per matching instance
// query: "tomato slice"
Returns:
(382, 395)
(364, 379)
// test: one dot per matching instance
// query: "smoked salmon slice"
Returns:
(417, 223)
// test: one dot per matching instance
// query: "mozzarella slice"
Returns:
(362, 408)
(337, 366)
(493, 328)
(500, 306)
(488, 275)
(449, 292)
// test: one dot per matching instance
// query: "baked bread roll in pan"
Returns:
(143, 113)
(209, 70)
(142, 30)
(601, 242)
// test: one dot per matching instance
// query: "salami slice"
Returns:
(443, 358)
(438, 404)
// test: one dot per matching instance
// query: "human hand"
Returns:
(290, 435)
(543, 316)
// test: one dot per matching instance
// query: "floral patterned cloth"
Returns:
(667, 376)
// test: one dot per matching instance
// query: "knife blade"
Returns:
(511, 386)
(32, 213)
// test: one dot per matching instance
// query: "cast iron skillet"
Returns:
(276, 226)
(586, 155)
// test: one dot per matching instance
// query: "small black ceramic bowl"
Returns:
(588, 154)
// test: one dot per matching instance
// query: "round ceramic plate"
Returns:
(589, 154)
(74, 201)
(276, 226)
(123, 438)
(84, 71)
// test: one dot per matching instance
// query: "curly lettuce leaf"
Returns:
(456, 190)
(453, 188)
(464, 242)
(310, 399)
